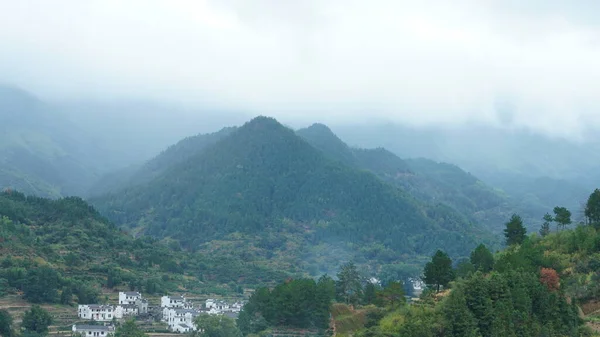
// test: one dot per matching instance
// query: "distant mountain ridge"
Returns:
(264, 179)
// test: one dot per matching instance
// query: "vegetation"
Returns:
(286, 202)
(216, 326)
(129, 329)
(62, 251)
(36, 321)
(438, 273)
(6, 324)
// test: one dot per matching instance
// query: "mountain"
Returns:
(525, 165)
(51, 246)
(266, 187)
(41, 153)
(139, 174)
(429, 181)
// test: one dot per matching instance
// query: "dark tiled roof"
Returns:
(93, 327)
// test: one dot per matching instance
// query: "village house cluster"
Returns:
(130, 304)
(176, 311)
(179, 314)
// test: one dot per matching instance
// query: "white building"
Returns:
(96, 312)
(175, 302)
(125, 310)
(93, 330)
(179, 320)
(129, 297)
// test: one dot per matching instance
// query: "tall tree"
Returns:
(482, 259)
(515, 232)
(438, 273)
(370, 293)
(562, 216)
(36, 320)
(545, 229)
(349, 284)
(458, 318)
(392, 295)
(592, 208)
(216, 326)
(6, 324)
(129, 329)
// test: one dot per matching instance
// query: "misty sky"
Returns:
(500, 61)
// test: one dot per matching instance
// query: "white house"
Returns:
(124, 310)
(93, 330)
(96, 312)
(183, 328)
(175, 302)
(178, 319)
(129, 297)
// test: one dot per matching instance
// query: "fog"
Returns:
(506, 63)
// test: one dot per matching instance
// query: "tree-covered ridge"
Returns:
(62, 250)
(264, 179)
(426, 180)
(173, 155)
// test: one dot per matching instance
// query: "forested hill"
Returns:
(41, 153)
(426, 180)
(64, 246)
(175, 154)
(264, 180)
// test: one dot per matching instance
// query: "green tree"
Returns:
(439, 271)
(370, 293)
(41, 285)
(515, 232)
(562, 217)
(548, 219)
(36, 320)
(349, 286)
(216, 326)
(459, 320)
(482, 259)
(129, 329)
(592, 208)
(392, 295)
(6, 324)
(66, 296)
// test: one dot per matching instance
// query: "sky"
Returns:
(532, 63)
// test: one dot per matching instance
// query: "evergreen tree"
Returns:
(392, 295)
(482, 259)
(592, 208)
(129, 329)
(515, 232)
(6, 324)
(66, 296)
(36, 320)
(439, 271)
(370, 293)
(459, 320)
(349, 285)
(545, 230)
(562, 217)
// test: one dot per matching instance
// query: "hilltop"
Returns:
(265, 190)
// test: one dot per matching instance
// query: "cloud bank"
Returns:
(533, 63)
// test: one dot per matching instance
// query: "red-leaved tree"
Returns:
(549, 277)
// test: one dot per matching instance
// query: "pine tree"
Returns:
(482, 259)
(592, 208)
(562, 216)
(515, 232)
(459, 320)
(545, 230)
(439, 271)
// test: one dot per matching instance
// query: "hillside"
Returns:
(427, 180)
(280, 197)
(52, 246)
(41, 153)
(151, 169)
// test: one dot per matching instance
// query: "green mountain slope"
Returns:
(426, 180)
(265, 181)
(70, 241)
(175, 154)
(40, 152)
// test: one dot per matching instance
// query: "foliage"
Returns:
(545, 229)
(36, 320)
(562, 216)
(549, 277)
(482, 259)
(515, 232)
(392, 295)
(6, 324)
(129, 329)
(301, 303)
(438, 273)
(349, 285)
(216, 326)
(592, 208)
